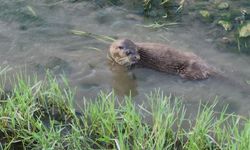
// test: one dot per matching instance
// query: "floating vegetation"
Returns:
(21, 12)
(160, 8)
(181, 5)
(206, 15)
(245, 30)
(102, 38)
(93, 48)
(226, 25)
(231, 20)
(32, 11)
(157, 25)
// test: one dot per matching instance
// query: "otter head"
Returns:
(124, 52)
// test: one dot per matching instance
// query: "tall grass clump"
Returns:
(34, 114)
(40, 114)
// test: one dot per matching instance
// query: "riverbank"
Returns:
(38, 114)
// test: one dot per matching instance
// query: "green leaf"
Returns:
(245, 30)
(225, 24)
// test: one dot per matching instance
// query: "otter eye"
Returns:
(128, 53)
(120, 47)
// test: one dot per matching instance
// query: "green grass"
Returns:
(40, 114)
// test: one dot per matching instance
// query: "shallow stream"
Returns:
(36, 35)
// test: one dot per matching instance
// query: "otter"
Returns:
(160, 57)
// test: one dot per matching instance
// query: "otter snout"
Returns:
(124, 52)
(135, 58)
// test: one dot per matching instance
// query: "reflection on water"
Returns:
(123, 81)
(44, 41)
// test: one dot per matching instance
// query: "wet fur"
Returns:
(163, 58)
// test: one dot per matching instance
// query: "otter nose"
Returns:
(135, 57)
(138, 57)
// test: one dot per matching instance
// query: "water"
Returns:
(40, 38)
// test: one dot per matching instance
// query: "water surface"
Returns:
(36, 35)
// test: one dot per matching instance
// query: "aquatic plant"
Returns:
(162, 8)
(102, 38)
(151, 8)
(225, 21)
(157, 25)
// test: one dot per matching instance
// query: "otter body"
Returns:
(160, 57)
(166, 59)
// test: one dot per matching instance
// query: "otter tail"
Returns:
(199, 71)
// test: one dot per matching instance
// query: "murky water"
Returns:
(36, 35)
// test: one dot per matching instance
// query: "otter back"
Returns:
(165, 59)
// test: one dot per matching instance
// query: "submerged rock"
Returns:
(55, 64)
(58, 65)
(134, 17)
(226, 40)
(243, 17)
(245, 30)
(223, 5)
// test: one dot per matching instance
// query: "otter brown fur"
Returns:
(160, 57)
